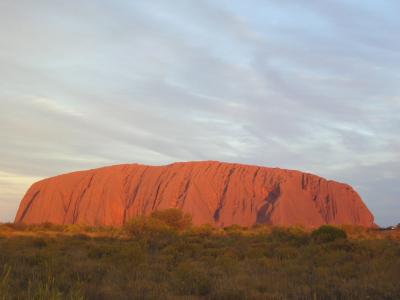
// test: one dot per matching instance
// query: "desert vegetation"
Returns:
(163, 256)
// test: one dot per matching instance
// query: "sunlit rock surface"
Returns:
(216, 193)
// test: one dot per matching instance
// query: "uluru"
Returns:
(220, 194)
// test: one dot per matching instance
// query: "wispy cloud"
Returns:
(55, 107)
(307, 85)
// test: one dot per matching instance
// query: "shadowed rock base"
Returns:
(216, 193)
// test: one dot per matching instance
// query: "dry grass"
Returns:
(159, 262)
(52, 230)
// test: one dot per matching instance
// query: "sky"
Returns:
(305, 84)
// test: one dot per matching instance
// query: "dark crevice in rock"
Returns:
(266, 210)
(28, 206)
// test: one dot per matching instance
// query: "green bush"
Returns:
(147, 227)
(328, 233)
(202, 230)
(291, 235)
(39, 242)
(192, 279)
(142, 226)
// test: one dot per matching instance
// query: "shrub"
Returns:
(48, 226)
(235, 229)
(192, 279)
(39, 242)
(97, 252)
(174, 218)
(328, 233)
(147, 227)
(203, 230)
(292, 235)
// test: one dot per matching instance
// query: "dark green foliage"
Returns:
(158, 261)
(39, 242)
(191, 278)
(327, 233)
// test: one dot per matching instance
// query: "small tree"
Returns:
(147, 227)
(328, 233)
(160, 223)
(174, 218)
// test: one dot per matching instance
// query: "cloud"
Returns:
(54, 107)
(304, 85)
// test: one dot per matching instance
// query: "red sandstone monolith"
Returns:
(216, 193)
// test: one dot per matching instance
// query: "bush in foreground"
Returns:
(328, 233)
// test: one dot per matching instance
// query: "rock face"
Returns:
(216, 193)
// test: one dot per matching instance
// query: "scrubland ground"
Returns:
(154, 258)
